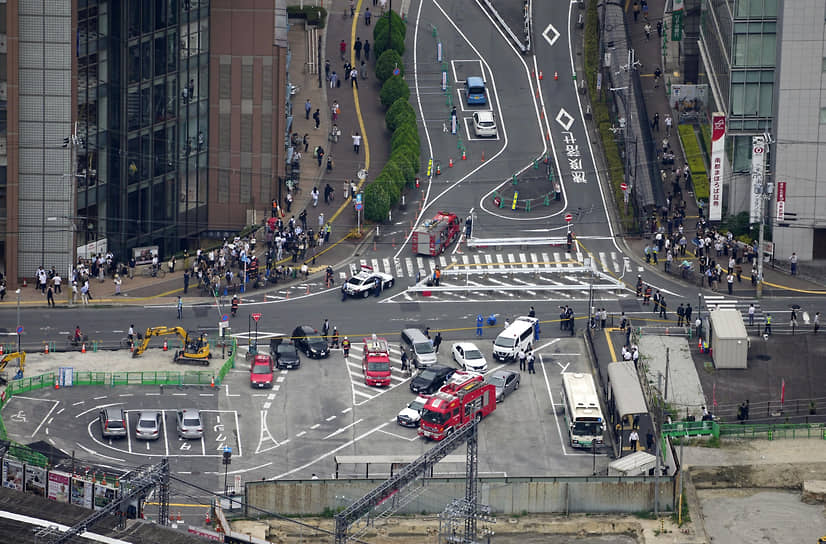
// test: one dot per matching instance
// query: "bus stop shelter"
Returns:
(625, 396)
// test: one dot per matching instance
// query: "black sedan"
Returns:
(431, 379)
(286, 355)
(310, 341)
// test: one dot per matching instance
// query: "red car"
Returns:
(261, 372)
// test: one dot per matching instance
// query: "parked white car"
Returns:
(484, 124)
(412, 413)
(468, 357)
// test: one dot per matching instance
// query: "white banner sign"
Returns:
(781, 201)
(718, 151)
(758, 154)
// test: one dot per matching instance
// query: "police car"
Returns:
(363, 283)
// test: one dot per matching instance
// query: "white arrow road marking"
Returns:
(550, 28)
(265, 436)
(564, 118)
(564, 368)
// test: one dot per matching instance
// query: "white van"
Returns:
(517, 337)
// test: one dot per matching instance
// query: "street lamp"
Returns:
(18, 320)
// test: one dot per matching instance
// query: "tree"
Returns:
(404, 135)
(383, 23)
(395, 42)
(393, 89)
(376, 201)
(388, 61)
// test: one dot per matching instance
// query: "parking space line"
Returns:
(126, 395)
(152, 394)
(206, 395)
(302, 433)
(78, 403)
(316, 426)
(128, 435)
(400, 436)
(346, 410)
(331, 418)
(98, 398)
(357, 392)
(238, 434)
(165, 441)
(179, 394)
(203, 446)
(342, 429)
(59, 411)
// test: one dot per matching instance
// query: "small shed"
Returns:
(638, 463)
(729, 340)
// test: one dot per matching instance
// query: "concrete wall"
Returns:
(504, 495)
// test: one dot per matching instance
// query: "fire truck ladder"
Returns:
(135, 485)
(416, 470)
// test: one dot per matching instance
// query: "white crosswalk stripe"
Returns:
(408, 263)
(616, 263)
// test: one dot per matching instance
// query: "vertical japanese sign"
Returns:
(758, 164)
(677, 11)
(780, 214)
(718, 149)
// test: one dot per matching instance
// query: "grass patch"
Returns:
(696, 163)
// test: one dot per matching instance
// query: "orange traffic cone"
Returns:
(56, 384)
(1, 349)
(308, 289)
(540, 75)
(288, 294)
(180, 518)
(450, 163)
(165, 346)
(83, 348)
(438, 169)
(666, 331)
(207, 521)
(212, 382)
(46, 348)
(556, 76)
(483, 156)
(464, 155)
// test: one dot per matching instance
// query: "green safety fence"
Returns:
(770, 431)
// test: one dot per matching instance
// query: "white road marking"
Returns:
(341, 430)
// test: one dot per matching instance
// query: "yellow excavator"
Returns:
(5, 361)
(195, 350)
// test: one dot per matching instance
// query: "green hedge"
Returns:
(314, 15)
(387, 62)
(694, 158)
(393, 89)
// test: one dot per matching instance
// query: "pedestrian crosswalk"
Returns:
(721, 302)
(362, 392)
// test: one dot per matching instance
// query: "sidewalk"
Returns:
(361, 111)
(649, 53)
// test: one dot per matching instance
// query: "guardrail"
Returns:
(535, 241)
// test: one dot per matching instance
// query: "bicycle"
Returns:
(150, 273)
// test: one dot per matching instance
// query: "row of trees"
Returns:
(403, 164)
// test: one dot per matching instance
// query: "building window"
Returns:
(246, 186)
(755, 50)
(762, 9)
(223, 186)
(823, 64)
(823, 116)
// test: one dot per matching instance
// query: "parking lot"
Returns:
(311, 414)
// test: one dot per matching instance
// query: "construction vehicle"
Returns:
(465, 397)
(21, 355)
(194, 351)
(434, 235)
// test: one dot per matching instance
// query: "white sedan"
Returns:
(412, 413)
(468, 357)
(363, 283)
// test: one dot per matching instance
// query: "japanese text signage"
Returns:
(781, 201)
(758, 153)
(574, 155)
(718, 149)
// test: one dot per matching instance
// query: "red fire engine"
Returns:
(434, 235)
(463, 398)
(376, 361)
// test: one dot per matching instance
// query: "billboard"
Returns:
(758, 165)
(12, 474)
(81, 492)
(59, 486)
(36, 480)
(718, 151)
(780, 214)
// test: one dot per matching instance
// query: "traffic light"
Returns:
(227, 456)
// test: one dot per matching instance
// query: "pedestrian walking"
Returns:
(317, 118)
(335, 109)
(751, 315)
(656, 301)
(315, 195)
(531, 361)
(669, 122)
(730, 281)
(117, 281)
(663, 308)
(50, 296)
(354, 78)
(319, 154)
(660, 29)
(655, 123)
(345, 346)
(793, 263)
(649, 440)
(357, 48)
(335, 338)
(180, 307)
(768, 329)
(308, 107)
(342, 48)
(657, 74)
(522, 359)
(633, 440)
(356, 142)
(636, 10)
(366, 49)
(186, 281)
(325, 328)
(367, 17)
(404, 360)
(816, 322)
(334, 82)
(680, 315)
(437, 341)
(647, 29)
(603, 317)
